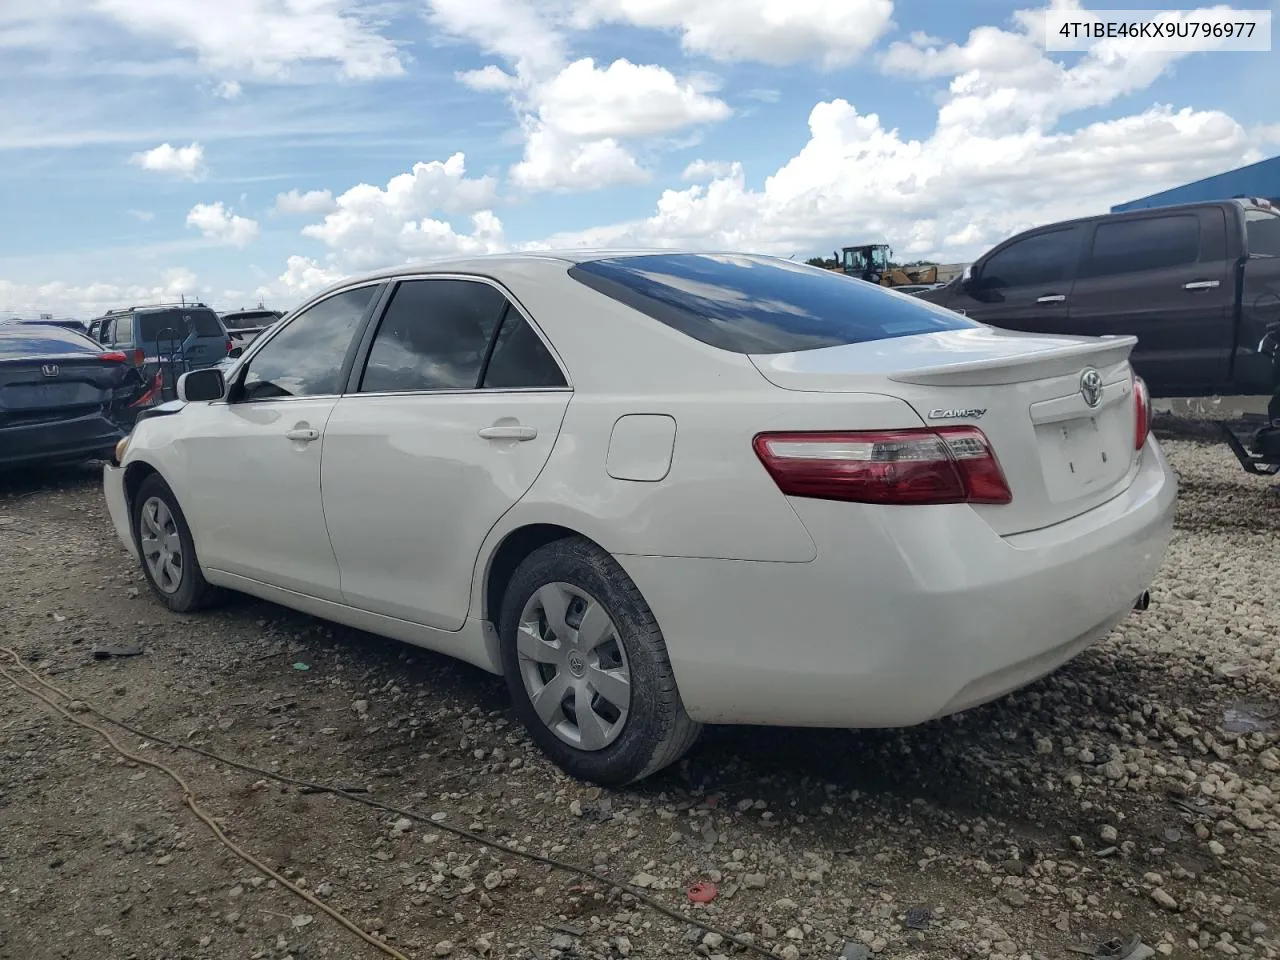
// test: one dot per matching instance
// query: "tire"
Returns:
(188, 591)
(610, 750)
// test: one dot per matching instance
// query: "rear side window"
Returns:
(1263, 228)
(37, 341)
(433, 336)
(748, 304)
(123, 332)
(520, 359)
(1033, 261)
(1153, 243)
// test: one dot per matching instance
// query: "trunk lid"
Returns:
(1026, 392)
(60, 386)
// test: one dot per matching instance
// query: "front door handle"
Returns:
(1202, 285)
(514, 431)
(1052, 298)
(303, 434)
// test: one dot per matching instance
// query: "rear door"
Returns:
(1163, 277)
(1025, 283)
(443, 429)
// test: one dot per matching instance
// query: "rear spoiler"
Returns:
(1056, 361)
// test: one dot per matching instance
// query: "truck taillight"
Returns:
(1142, 405)
(139, 357)
(902, 467)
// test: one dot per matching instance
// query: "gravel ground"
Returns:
(1127, 806)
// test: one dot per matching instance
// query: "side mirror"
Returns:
(235, 352)
(201, 385)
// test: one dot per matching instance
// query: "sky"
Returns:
(239, 151)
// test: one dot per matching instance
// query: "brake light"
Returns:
(114, 356)
(230, 345)
(1142, 404)
(153, 392)
(902, 467)
(139, 357)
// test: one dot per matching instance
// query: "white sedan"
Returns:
(656, 490)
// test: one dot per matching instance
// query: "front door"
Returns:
(1164, 278)
(1025, 284)
(449, 423)
(258, 453)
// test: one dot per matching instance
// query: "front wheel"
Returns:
(587, 667)
(168, 553)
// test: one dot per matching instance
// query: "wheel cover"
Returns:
(161, 545)
(574, 666)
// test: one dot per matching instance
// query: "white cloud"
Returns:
(311, 202)
(85, 301)
(710, 170)
(186, 162)
(1000, 158)
(264, 37)
(372, 226)
(228, 90)
(577, 117)
(489, 79)
(145, 216)
(217, 222)
(775, 32)
(302, 277)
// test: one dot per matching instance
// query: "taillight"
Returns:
(1142, 404)
(917, 466)
(114, 356)
(139, 357)
(153, 392)
(230, 345)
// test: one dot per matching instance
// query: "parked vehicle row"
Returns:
(655, 491)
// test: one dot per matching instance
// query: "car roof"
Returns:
(495, 264)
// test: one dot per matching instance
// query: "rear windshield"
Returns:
(22, 340)
(157, 325)
(749, 304)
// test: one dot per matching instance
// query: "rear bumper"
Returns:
(80, 438)
(118, 506)
(907, 614)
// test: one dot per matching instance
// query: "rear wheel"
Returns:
(168, 553)
(587, 667)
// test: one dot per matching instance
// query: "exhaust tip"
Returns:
(1143, 601)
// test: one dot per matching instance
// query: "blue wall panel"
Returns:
(1256, 180)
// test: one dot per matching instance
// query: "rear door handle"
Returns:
(1202, 285)
(303, 434)
(1052, 298)
(514, 431)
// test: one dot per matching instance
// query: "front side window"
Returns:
(433, 336)
(1152, 243)
(1034, 261)
(305, 359)
(1263, 228)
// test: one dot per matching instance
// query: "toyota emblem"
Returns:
(1091, 387)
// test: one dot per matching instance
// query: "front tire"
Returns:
(587, 667)
(168, 553)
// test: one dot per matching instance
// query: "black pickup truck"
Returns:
(1198, 284)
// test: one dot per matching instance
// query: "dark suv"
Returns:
(164, 340)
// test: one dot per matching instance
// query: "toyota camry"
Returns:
(658, 490)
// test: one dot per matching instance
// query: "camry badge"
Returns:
(970, 414)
